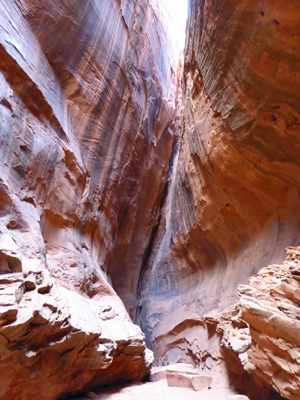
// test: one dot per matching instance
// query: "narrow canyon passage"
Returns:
(145, 178)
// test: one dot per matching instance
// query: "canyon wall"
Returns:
(102, 204)
(233, 204)
(87, 99)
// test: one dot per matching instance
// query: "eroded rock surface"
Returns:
(55, 342)
(233, 204)
(87, 98)
(270, 306)
(88, 153)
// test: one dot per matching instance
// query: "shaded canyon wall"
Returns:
(87, 99)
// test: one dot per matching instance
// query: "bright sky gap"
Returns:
(178, 13)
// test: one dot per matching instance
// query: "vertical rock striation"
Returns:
(87, 97)
(99, 198)
(234, 202)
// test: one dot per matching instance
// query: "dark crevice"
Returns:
(148, 252)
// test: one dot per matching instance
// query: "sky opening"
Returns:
(178, 13)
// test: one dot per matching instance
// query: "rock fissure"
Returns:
(153, 239)
(140, 184)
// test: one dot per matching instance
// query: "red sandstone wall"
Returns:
(234, 202)
(87, 98)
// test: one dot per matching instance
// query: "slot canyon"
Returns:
(149, 200)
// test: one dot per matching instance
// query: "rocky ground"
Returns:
(160, 390)
(174, 382)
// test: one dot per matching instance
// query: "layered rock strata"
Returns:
(87, 97)
(270, 306)
(54, 342)
(233, 204)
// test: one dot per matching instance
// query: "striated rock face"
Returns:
(234, 197)
(87, 97)
(101, 204)
(270, 305)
